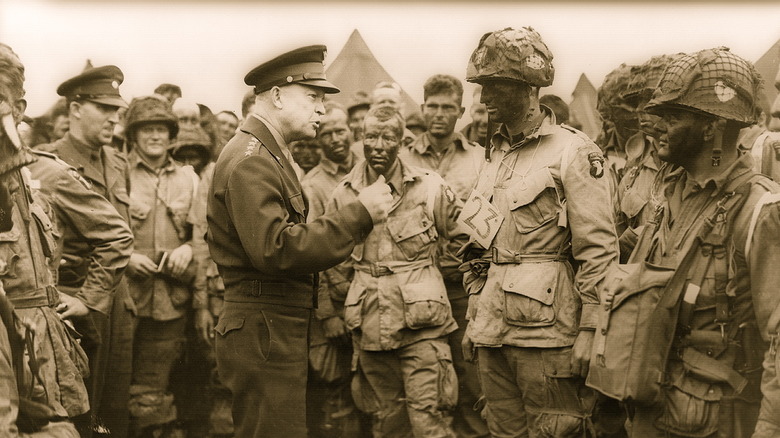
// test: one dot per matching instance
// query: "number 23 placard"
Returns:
(480, 219)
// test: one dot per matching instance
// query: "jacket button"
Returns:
(549, 290)
(603, 331)
(511, 285)
(709, 352)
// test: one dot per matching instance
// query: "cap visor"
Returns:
(111, 101)
(321, 83)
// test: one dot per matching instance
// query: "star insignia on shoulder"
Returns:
(251, 147)
(77, 176)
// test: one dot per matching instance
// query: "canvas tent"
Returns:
(582, 108)
(356, 69)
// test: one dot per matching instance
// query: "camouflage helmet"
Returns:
(644, 78)
(610, 94)
(514, 54)
(713, 81)
(149, 109)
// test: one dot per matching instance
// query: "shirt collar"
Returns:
(333, 168)
(743, 164)
(85, 149)
(423, 143)
(544, 126)
(402, 174)
(135, 160)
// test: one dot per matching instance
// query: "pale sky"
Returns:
(207, 47)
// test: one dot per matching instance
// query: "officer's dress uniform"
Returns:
(397, 307)
(106, 171)
(161, 210)
(266, 257)
(713, 407)
(24, 254)
(459, 164)
(556, 203)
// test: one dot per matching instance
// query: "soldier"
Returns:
(306, 154)
(58, 364)
(93, 102)
(161, 270)
(396, 306)
(356, 112)
(765, 148)
(541, 199)
(331, 409)
(700, 364)
(457, 160)
(642, 162)
(476, 131)
(266, 255)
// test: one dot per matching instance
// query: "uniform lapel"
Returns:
(68, 151)
(257, 128)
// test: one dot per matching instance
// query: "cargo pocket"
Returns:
(412, 232)
(447, 381)
(425, 304)
(228, 324)
(45, 229)
(533, 201)
(353, 306)
(9, 251)
(691, 407)
(632, 204)
(139, 211)
(529, 294)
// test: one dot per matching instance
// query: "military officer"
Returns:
(93, 103)
(266, 254)
(541, 200)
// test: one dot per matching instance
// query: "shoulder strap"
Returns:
(766, 198)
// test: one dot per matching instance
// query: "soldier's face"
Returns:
(302, 109)
(441, 112)
(386, 97)
(152, 140)
(306, 154)
(381, 142)
(506, 101)
(96, 121)
(191, 156)
(335, 136)
(227, 126)
(774, 116)
(59, 127)
(188, 118)
(479, 117)
(356, 123)
(682, 136)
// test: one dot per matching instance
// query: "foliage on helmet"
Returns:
(513, 54)
(149, 109)
(644, 78)
(714, 81)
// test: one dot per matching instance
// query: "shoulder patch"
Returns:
(596, 160)
(449, 194)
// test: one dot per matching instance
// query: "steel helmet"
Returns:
(149, 109)
(514, 54)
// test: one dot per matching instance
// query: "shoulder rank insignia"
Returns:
(596, 161)
(251, 147)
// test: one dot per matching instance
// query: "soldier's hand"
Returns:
(580, 357)
(377, 199)
(179, 259)
(71, 306)
(468, 348)
(204, 325)
(141, 266)
(334, 328)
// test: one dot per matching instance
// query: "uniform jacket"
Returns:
(85, 220)
(459, 166)
(532, 297)
(256, 232)
(161, 208)
(397, 296)
(27, 280)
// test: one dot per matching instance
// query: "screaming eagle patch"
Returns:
(596, 161)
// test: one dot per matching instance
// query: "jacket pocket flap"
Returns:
(402, 228)
(537, 281)
(524, 191)
(632, 203)
(557, 362)
(228, 324)
(427, 291)
(122, 196)
(356, 294)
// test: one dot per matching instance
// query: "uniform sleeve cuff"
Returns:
(589, 316)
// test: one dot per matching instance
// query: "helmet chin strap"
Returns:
(488, 134)
(9, 125)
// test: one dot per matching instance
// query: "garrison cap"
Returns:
(300, 66)
(98, 84)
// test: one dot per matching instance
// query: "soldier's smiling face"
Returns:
(381, 142)
(152, 140)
